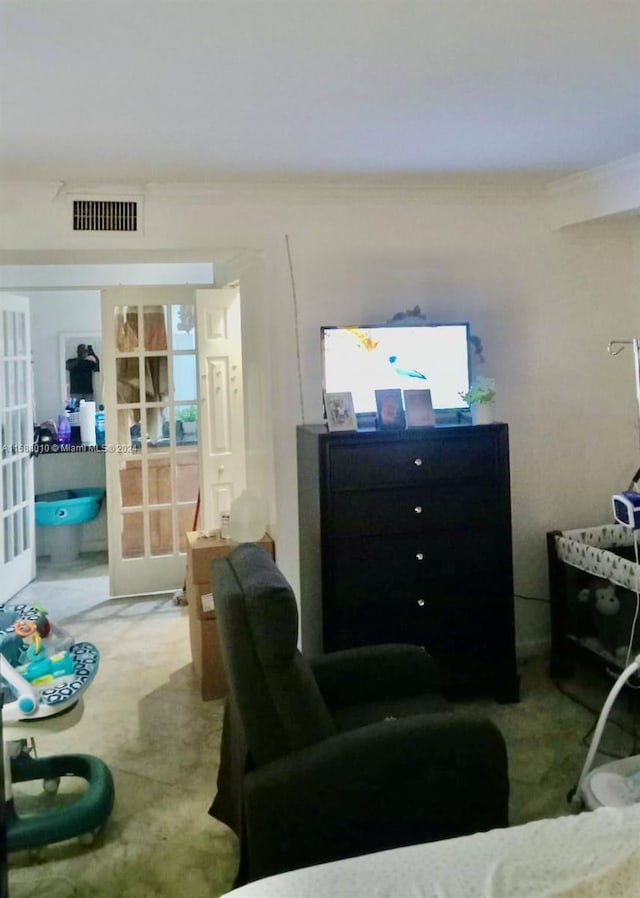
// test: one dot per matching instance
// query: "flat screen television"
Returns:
(360, 360)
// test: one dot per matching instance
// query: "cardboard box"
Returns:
(201, 550)
(203, 628)
(200, 601)
(207, 658)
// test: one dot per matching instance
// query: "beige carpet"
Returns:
(548, 737)
(145, 718)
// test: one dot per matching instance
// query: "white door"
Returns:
(222, 445)
(154, 421)
(17, 524)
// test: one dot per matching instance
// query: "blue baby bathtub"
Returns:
(65, 507)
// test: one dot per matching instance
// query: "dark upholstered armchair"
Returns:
(351, 753)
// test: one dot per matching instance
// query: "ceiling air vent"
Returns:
(105, 215)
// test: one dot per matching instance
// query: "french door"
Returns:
(17, 524)
(222, 440)
(156, 411)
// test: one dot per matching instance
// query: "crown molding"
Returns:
(603, 192)
(624, 167)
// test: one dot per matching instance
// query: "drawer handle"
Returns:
(421, 602)
(418, 509)
(417, 462)
(420, 556)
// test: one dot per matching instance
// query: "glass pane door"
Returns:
(153, 437)
(17, 558)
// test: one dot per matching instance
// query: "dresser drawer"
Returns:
(414, 587)
(412, 461)
(412, 510)
(453, 616)
(415, 558)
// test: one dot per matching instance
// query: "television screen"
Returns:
(361, 360)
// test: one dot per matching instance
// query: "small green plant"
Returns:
(483, 389)
(186, 413)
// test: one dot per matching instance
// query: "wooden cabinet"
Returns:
(405, 536)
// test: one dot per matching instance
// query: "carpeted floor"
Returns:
(548, 736)
(145, 718)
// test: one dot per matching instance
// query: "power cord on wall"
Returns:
(519, 595)
(294, 297)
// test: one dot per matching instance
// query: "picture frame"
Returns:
(340, 411)
(418, 408)
(390, 409)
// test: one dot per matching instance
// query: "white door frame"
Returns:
(231, 268)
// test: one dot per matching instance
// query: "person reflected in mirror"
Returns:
(81, 370)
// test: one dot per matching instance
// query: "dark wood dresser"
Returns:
(405, 536)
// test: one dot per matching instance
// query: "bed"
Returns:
(593, 854)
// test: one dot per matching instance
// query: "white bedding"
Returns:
(590, 855)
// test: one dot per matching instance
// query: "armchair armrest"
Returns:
(393, 783)
(374, 673)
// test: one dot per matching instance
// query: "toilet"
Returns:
(63, 513)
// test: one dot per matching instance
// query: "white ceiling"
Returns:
(149, 91)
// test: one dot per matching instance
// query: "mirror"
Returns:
(80, 366)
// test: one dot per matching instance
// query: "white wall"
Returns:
(47, 277)
(544, 303)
